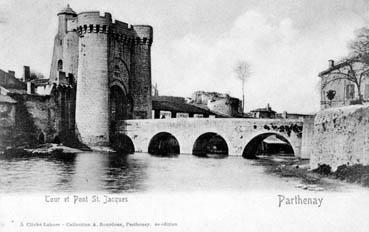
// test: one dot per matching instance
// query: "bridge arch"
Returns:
(210, 144)
(164, 144)
(123, 144)
(254, 145)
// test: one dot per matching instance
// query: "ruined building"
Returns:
(110, 62)
(218, 102)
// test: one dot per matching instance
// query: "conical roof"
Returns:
(67, 10)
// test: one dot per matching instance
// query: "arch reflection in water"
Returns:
(96, 171)
(164, 144)
(267, 144)
(210, 145)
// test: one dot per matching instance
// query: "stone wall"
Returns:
(35, 117)
(307, 137)
(229, 106)
(7, 120)
(341, 136)
(9, 81)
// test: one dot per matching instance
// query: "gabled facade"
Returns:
(337, 90)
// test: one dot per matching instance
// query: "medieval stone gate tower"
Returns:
(111, 65)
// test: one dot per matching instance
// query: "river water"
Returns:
(140, 172)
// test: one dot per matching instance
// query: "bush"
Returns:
(355, 173)
(323, 169)
(341, 172)
(365, 180)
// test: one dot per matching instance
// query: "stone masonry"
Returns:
(103, 55)
(236, 132)
(341, 137)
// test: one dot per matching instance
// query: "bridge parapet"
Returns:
(236, 132)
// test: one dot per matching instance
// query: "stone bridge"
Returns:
(239, 136)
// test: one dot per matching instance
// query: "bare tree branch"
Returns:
(243, 71)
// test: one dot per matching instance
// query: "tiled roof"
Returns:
(178, 104)
(263, 110)
(7, 99)
(39, 82)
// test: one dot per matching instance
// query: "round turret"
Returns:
(68, 11)
(144, 32)
(92, 100)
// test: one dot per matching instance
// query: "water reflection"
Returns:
(139, 172)
(87, 171)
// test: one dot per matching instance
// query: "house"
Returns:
(266, 112)
(338, 84)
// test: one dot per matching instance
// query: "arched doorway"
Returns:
(164, 144)
(210, 145)
(122, 144)
(267, 144)
(118, 104)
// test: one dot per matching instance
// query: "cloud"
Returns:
(285, 61)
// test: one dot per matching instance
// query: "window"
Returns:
(60, 65)
(116, 71)
(350, 91)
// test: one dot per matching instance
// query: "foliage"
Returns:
(330, 94)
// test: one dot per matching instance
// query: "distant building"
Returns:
(12, 84)
(218, 102)
(286, 115)
(177, 107)
(266, 112)
(341, 92)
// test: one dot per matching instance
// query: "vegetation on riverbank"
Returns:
(356, 173)
(292, 167)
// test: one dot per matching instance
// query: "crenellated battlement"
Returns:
(143, 34)
(93, 28)
(94, 18)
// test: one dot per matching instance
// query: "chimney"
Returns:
(29, 87)
(11, 73)
(331, 63)
(268, 107)
(27, 73)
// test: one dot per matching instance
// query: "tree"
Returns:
(243, 72)
(359, 47)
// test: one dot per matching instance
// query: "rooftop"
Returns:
(67, 10)
(178, 104)
(7, 99)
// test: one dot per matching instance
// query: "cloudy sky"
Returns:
(197, 42)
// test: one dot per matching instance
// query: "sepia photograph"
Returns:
(180, 116)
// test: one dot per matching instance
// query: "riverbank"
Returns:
(315, 180)
(41, 150)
